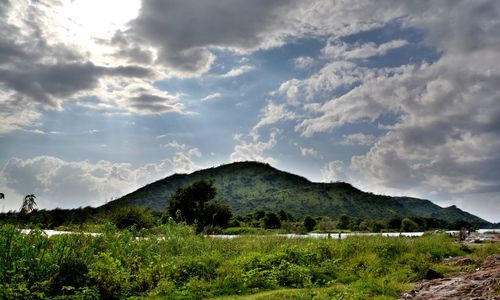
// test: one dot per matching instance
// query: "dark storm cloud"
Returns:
(42, 83)
(182, 30)
(146, 103)
(51, 84)
(131, 51)
(127, 71)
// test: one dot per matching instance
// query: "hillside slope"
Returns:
(248, 186)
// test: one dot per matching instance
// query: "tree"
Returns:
(326, 224)
(344, 222)
(394, 223)
(309, 223)
(192, 205)
(2, 196)
(271, 221)
(259, 214)
(129, 216)
(188, 203)
(216, 214)
(285, 216)
(377, 226)
(407, 225)
(29, 204)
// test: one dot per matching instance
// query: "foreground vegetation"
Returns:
(171, 262)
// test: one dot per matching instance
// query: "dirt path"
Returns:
(482, 284)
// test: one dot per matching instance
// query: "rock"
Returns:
(481, 284)
(431, 274)
(459, 261)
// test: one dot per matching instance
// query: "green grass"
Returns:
(174, 263)
(295, 294)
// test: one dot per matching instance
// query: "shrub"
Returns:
(407, 225)
(271, 221)
(127, 217)
(309, 223)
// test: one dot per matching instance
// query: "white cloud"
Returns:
(379, 94)
(308, 152)
(303, 62)
(358, 139)
(174, 145)
(337, 49)
(211, 97)
(18, 115)
(311, 152)
(254, 151)
(443, 136)
(272, 114)
(330, 77)
(238, 71)
(290, 88)
(335, 171)
(59, 183)
(184, 160)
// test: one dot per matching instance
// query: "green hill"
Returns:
(248, 186)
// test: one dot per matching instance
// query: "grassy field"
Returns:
(171, 262)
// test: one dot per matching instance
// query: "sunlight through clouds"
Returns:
(399, 97)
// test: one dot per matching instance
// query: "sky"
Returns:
(98, 98)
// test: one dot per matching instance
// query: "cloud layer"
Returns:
(59, 183)
(401, 96)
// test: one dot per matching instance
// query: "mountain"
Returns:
(249, 186)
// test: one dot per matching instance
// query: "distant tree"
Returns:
(344, 222)
(216, 214)
(394, 223)
(326, 224)
(2, 196)
(377, 226)
(271, 221)
(408, 225)
(188, 203)
(283, 215)
(29, 204)
(458, 225)
(354, 225)
(309, 223)
(193, 204)
(127, 217)
(363, 226)
(259, 214)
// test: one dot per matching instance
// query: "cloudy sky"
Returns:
(98, 98)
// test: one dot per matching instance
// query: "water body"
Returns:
(488, 230)
(337, 235)
(50, 233)
(289, 235)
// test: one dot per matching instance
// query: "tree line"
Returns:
(195, 205)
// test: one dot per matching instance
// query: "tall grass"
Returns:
(174, 263)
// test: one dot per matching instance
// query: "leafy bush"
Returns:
(138, 217)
